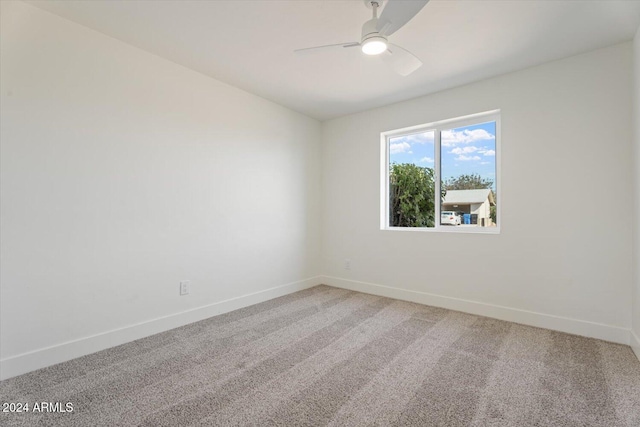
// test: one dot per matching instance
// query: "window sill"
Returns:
(447, 229)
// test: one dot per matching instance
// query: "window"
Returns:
(442, 176)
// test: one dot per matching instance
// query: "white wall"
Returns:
(124, 173)
(635, 338)
(566, 141)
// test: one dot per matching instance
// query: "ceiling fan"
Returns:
(375, 32)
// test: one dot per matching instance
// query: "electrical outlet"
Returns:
(347, 264)
(184, 287)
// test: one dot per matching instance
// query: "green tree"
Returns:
(411, 196)
(467, 182)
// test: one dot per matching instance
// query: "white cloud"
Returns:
(420, 138)
(489, 153)
(464, 158)
(451, 138)
(399, 147)
(465, 150)
(416, 138)
(426, 160)
(485, 163)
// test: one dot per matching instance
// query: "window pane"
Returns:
(411, 180)
(468, 168)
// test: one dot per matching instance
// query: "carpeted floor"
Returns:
(327, 356)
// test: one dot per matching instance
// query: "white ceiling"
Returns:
(249, 44)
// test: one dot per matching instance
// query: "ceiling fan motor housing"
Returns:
(370, 33)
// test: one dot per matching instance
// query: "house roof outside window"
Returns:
(466, 197)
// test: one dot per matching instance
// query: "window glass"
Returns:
(468, 170)
(412, 180)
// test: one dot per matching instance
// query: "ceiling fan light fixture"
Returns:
(374, 45)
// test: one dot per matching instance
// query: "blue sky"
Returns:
(465, 150)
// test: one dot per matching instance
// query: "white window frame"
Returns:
(437, 128)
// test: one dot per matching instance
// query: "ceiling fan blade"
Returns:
(316, 49)
(397, 13)
(401, 60)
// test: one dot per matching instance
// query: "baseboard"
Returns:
(41, 358)
(563, 324)
(635, 343)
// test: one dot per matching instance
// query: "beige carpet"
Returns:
(328, 356)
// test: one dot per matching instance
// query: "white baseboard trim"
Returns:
(635, 343)
(563, 324)
(41, 358)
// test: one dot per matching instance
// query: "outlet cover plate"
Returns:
(184, 287)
